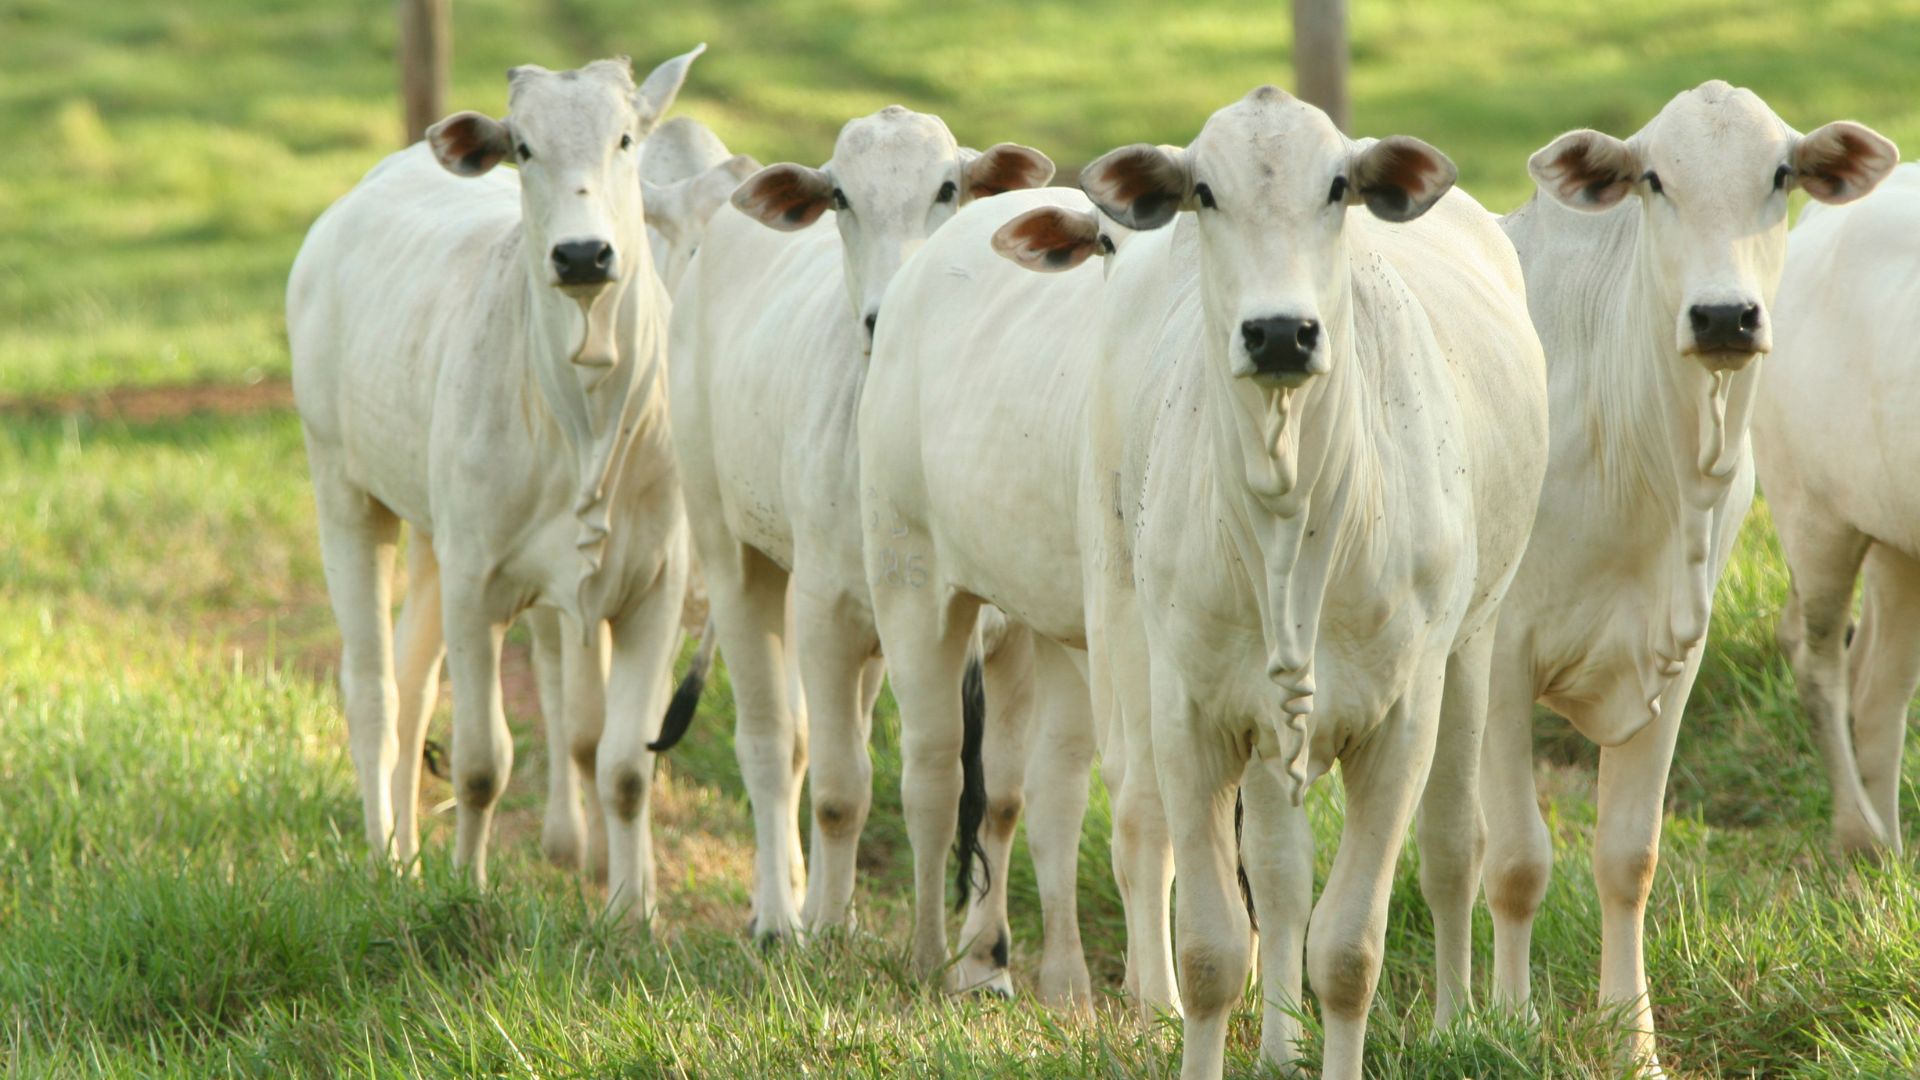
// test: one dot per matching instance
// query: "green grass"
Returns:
(183, 890)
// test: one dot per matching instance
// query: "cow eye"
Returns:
(1780, 177)
(1106, 244)
(947, 191)
(1338, 193)
(1653, 182)
(525, 154)
(626, 142)
(839, 199)
(1205, 195)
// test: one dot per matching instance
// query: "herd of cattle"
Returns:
(1242, 459)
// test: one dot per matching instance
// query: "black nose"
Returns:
(583, 262)
(1734, 327)
(1280, 346)
(873, 320)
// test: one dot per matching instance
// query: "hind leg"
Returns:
(420, 650)
(357, 540)
(1886, 671)
(986, 940)
(834, 647)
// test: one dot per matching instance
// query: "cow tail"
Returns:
(973, 779)
(686, 699)
(1240, 862)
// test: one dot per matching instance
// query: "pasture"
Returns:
(183, 887)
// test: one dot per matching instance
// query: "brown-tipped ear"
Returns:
(1049, 238)
(785, 197)
(656, 94)
(1585, 170)
(1400, 177)
(1140, 186)
(469, 143)
(1006, 167)
(1843, 160)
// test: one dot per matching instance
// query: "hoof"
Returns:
(994, 991)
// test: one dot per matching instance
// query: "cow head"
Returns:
(1048, 239)
(895, 176)
(1269, 181)
(1711, 173)
(679, 212)
(575, 136)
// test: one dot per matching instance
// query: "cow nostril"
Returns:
(1308, 336)
(1700, 319)
(1254, 336)
(604, 256)
(1750, 318)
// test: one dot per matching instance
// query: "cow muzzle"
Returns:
(1726, 336)
(1281, 350)
(584, 265)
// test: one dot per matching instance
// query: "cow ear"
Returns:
(666, 206)
(707, 190)
(1585, 170)
(1006, 167)
(1049, 238)
(1842, 161)
(1140, 186)
(662, 85)
(1400, 177)
(785, 197)
(469, 144)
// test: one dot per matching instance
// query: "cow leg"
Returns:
(1277, 850)
(584, 671)
(1199, 774)
(1626, 852)
(834, 647)
(1142, 841)
(1519, 854)
(639, 682)
(986, 939)
(926, 645)
(872, 677)
(797, 703)
(1384, 778)
(357, 540)
(1886, 671)
(563, 833)
(1451, 834)
(419, 651)
(1060, 765)
(1824, 556)
(748, 593)
(482, 745)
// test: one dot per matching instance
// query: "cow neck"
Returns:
(596, 380)
(1674, 436)
(1303, 463)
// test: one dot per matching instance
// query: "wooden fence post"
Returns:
(1320, 55)
(426, 50)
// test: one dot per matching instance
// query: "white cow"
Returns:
(482, 356)
(1650, 264)
(972, 442)
(770, 349)
(1324, 433)
(686, 174)
(1832, 439)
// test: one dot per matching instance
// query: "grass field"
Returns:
(183, 890)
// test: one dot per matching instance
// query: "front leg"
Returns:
(1626, 851)
(1452, 836)
(482, 745)
(638, 686)
(1347, 939)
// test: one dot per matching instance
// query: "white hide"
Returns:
(1833, 443)
(769, 341)
(1316, 556)
(1650, 475)
(971, 439)
(444, 379)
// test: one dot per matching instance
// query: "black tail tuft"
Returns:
(1240, 864)
(434, 757)
(686, 699)
(973, 784)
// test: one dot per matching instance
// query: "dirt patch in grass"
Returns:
(148, 404)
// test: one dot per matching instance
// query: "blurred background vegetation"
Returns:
(182, 883)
